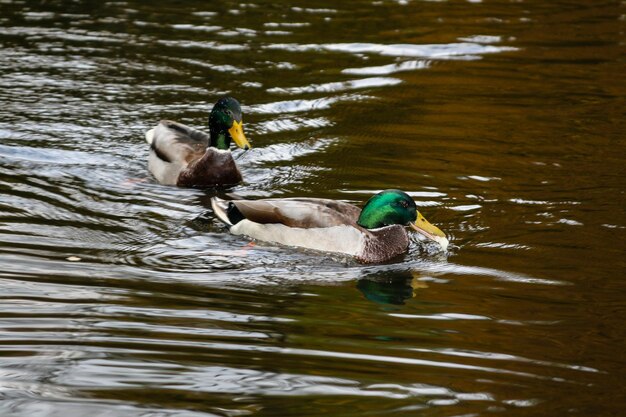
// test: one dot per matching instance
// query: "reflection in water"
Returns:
(391, 287)
(505, 123)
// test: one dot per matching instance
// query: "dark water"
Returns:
(505, 121)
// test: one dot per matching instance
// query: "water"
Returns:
(504, 120)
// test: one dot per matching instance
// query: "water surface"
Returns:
(504, 121)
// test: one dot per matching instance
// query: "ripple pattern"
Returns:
(503, 121)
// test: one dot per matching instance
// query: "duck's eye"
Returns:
(404, 204)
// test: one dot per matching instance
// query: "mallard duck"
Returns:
(180, 155)
(374, 234)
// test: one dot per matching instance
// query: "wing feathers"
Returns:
(299, 212)
(175, 142)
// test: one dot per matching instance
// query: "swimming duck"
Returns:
(374, 234)
(180, 155)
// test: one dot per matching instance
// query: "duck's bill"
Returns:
(432, 232)
(236, 132)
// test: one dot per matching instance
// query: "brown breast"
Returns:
(213, 169)
(384, 244)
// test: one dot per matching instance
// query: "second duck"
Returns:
(182, 156)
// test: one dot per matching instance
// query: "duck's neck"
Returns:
(220, 141)
(370, 218)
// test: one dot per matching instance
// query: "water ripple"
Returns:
(503, 357)
(433, 51)
(338, 86)
(296, 106)
(389, 68)
(290, 123)
(216, 46)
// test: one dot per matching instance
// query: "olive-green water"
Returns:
(504, 120)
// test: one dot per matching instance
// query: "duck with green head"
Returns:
(374, 234)
(180, 155)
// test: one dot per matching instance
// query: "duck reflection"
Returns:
(391, 287)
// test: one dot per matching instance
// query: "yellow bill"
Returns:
(424, 227)
(236, 132)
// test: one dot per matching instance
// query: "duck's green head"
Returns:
(225, 124)
(397, 207)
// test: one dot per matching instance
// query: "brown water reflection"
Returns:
(503, 120)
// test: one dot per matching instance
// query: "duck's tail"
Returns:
(226, 211)
(150, 136)
(220, 208)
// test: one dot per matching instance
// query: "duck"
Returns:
(186, 157)
(377, 233)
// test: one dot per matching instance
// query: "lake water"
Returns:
(504, 120)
